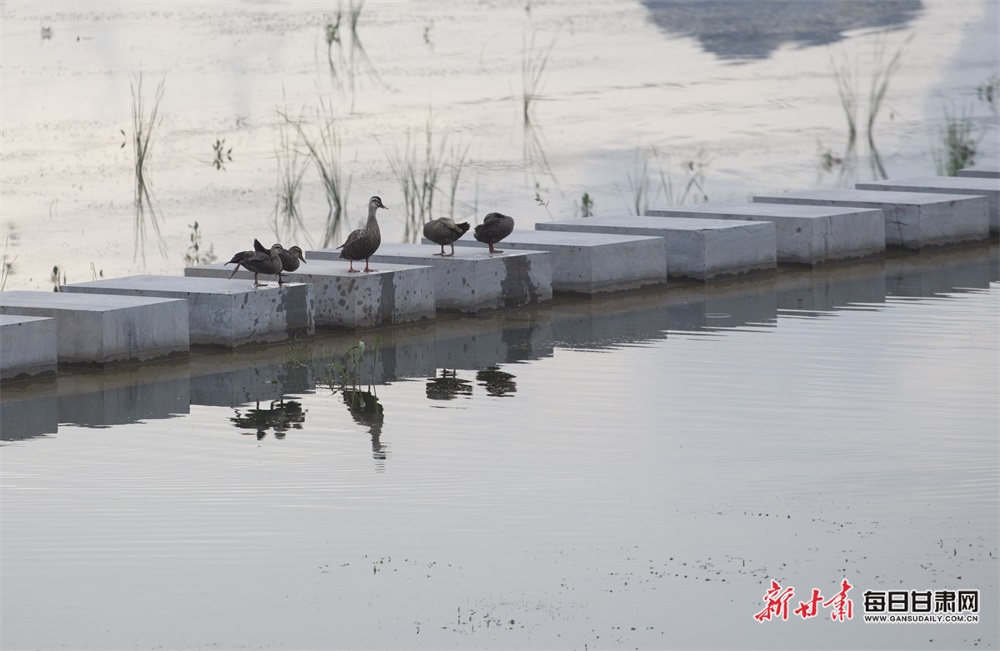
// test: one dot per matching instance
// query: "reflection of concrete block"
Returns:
(118, 405)
(27, 346)
(224, 313)
(590, 263)
(472, 280)
(96, 329)
(980, 172)
(391, 295)
(25, 418)
(805, 234)
(986, 187)
(698, 249)
(912, 219)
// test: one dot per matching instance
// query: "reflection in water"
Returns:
(367, 411)
(279, 416)
(498, 383)
(754, 29)
(448, 386)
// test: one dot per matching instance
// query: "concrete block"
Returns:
(223, 313)
(987, 172)
(987, 187)
(805, 234)
(700, 249)
(107, 330)
(912, 219)
(592, 263)
(471, 280)
(392, 295)
(28, 347)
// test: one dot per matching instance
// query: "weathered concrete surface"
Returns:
(805, 234)
(471, 280)
(985, 172)
(223, 313)
(28, 346)
(392, 295)
(592, 263)
(107, 330)
(987, 187)
(912, 219)
(699, 249)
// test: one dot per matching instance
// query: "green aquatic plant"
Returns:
(58, 278)
(586, 206)
(959, 145)
(7, 270)
(196, 253)
(143, 128)
(642, 191)
(988, 91)
(346, 373)
(222, 155)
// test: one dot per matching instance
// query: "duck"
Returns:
(289, 257)
(259, 262)
(445, 231)
(364, 242)
(494, 228)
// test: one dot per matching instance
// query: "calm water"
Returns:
(624, 472)
(639, 104)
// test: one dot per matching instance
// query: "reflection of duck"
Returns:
(367, 411)
(259, 262)
(279, 417)
(445, 231)
(448, 386)
(364, 242)
(494, 228)
(498, 383)
(289, 257)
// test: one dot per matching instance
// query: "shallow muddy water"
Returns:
(638, 104)
(630, 471)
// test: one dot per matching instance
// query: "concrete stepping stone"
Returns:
(808, 235)
(472, 280)
(591, 263)
(392, 295)
(223, 313)
(28, 347)
(987, 187)
(698, 249)
(985, 172)
(912, 219)
(107, 330)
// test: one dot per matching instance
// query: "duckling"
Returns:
(259, 262)
(364, 242)
(444, 231)
(494, 228)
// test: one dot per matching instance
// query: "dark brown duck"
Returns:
(445, 231)
(364, 242)
(494, 228)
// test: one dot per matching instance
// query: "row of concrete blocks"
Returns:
(165, 315)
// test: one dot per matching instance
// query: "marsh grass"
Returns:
(533, 64)
(291, 167)
(322, 142)
(958, 142)
(641, 190)
(418, 171)
(57, 278)
(846, 74)
(356, 63)
(144, 127)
